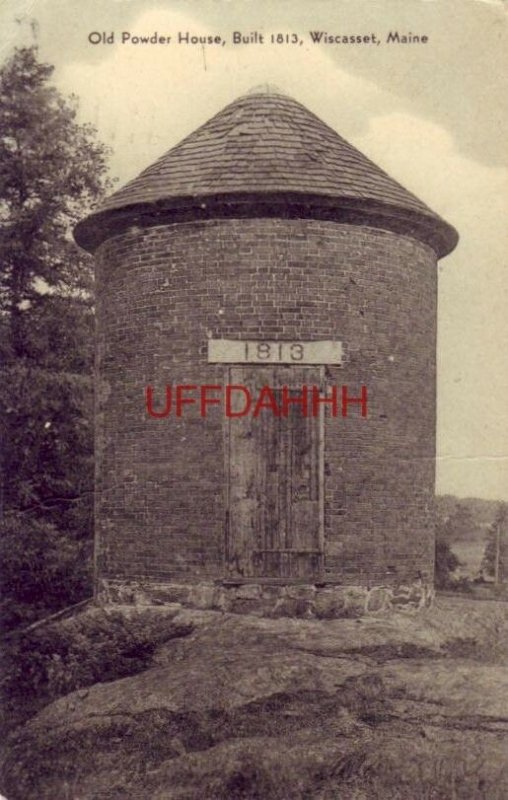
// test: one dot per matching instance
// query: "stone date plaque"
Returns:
(226, 351)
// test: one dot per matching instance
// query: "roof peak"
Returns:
(266, 88)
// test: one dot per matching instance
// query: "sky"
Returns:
(433, 115)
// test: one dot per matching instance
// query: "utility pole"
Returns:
(500, 545)
(496, 556)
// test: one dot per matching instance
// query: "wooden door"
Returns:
(275, 481)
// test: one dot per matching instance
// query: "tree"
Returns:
(495, 558)
(446, 562)
(52, 171)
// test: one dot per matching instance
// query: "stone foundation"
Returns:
(268, 600)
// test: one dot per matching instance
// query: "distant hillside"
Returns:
(482, 511)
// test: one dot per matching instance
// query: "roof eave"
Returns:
(429, 228)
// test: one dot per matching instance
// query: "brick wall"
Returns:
(164, 290)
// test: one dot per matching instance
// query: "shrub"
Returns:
(57, 658)
(43, 570)
(446, 562)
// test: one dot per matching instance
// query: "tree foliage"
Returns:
(52, 171)
(458, 525)
(446, 562)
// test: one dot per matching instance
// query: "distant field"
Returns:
(470, 555)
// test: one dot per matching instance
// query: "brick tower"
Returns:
(264, 250)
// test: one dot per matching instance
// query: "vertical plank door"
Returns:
(275, 481)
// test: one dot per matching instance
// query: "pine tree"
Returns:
(52, 171)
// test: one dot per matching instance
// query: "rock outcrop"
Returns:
(280, 709)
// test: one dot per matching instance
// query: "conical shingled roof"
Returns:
(265, 154)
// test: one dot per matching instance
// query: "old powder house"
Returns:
(264, 250)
